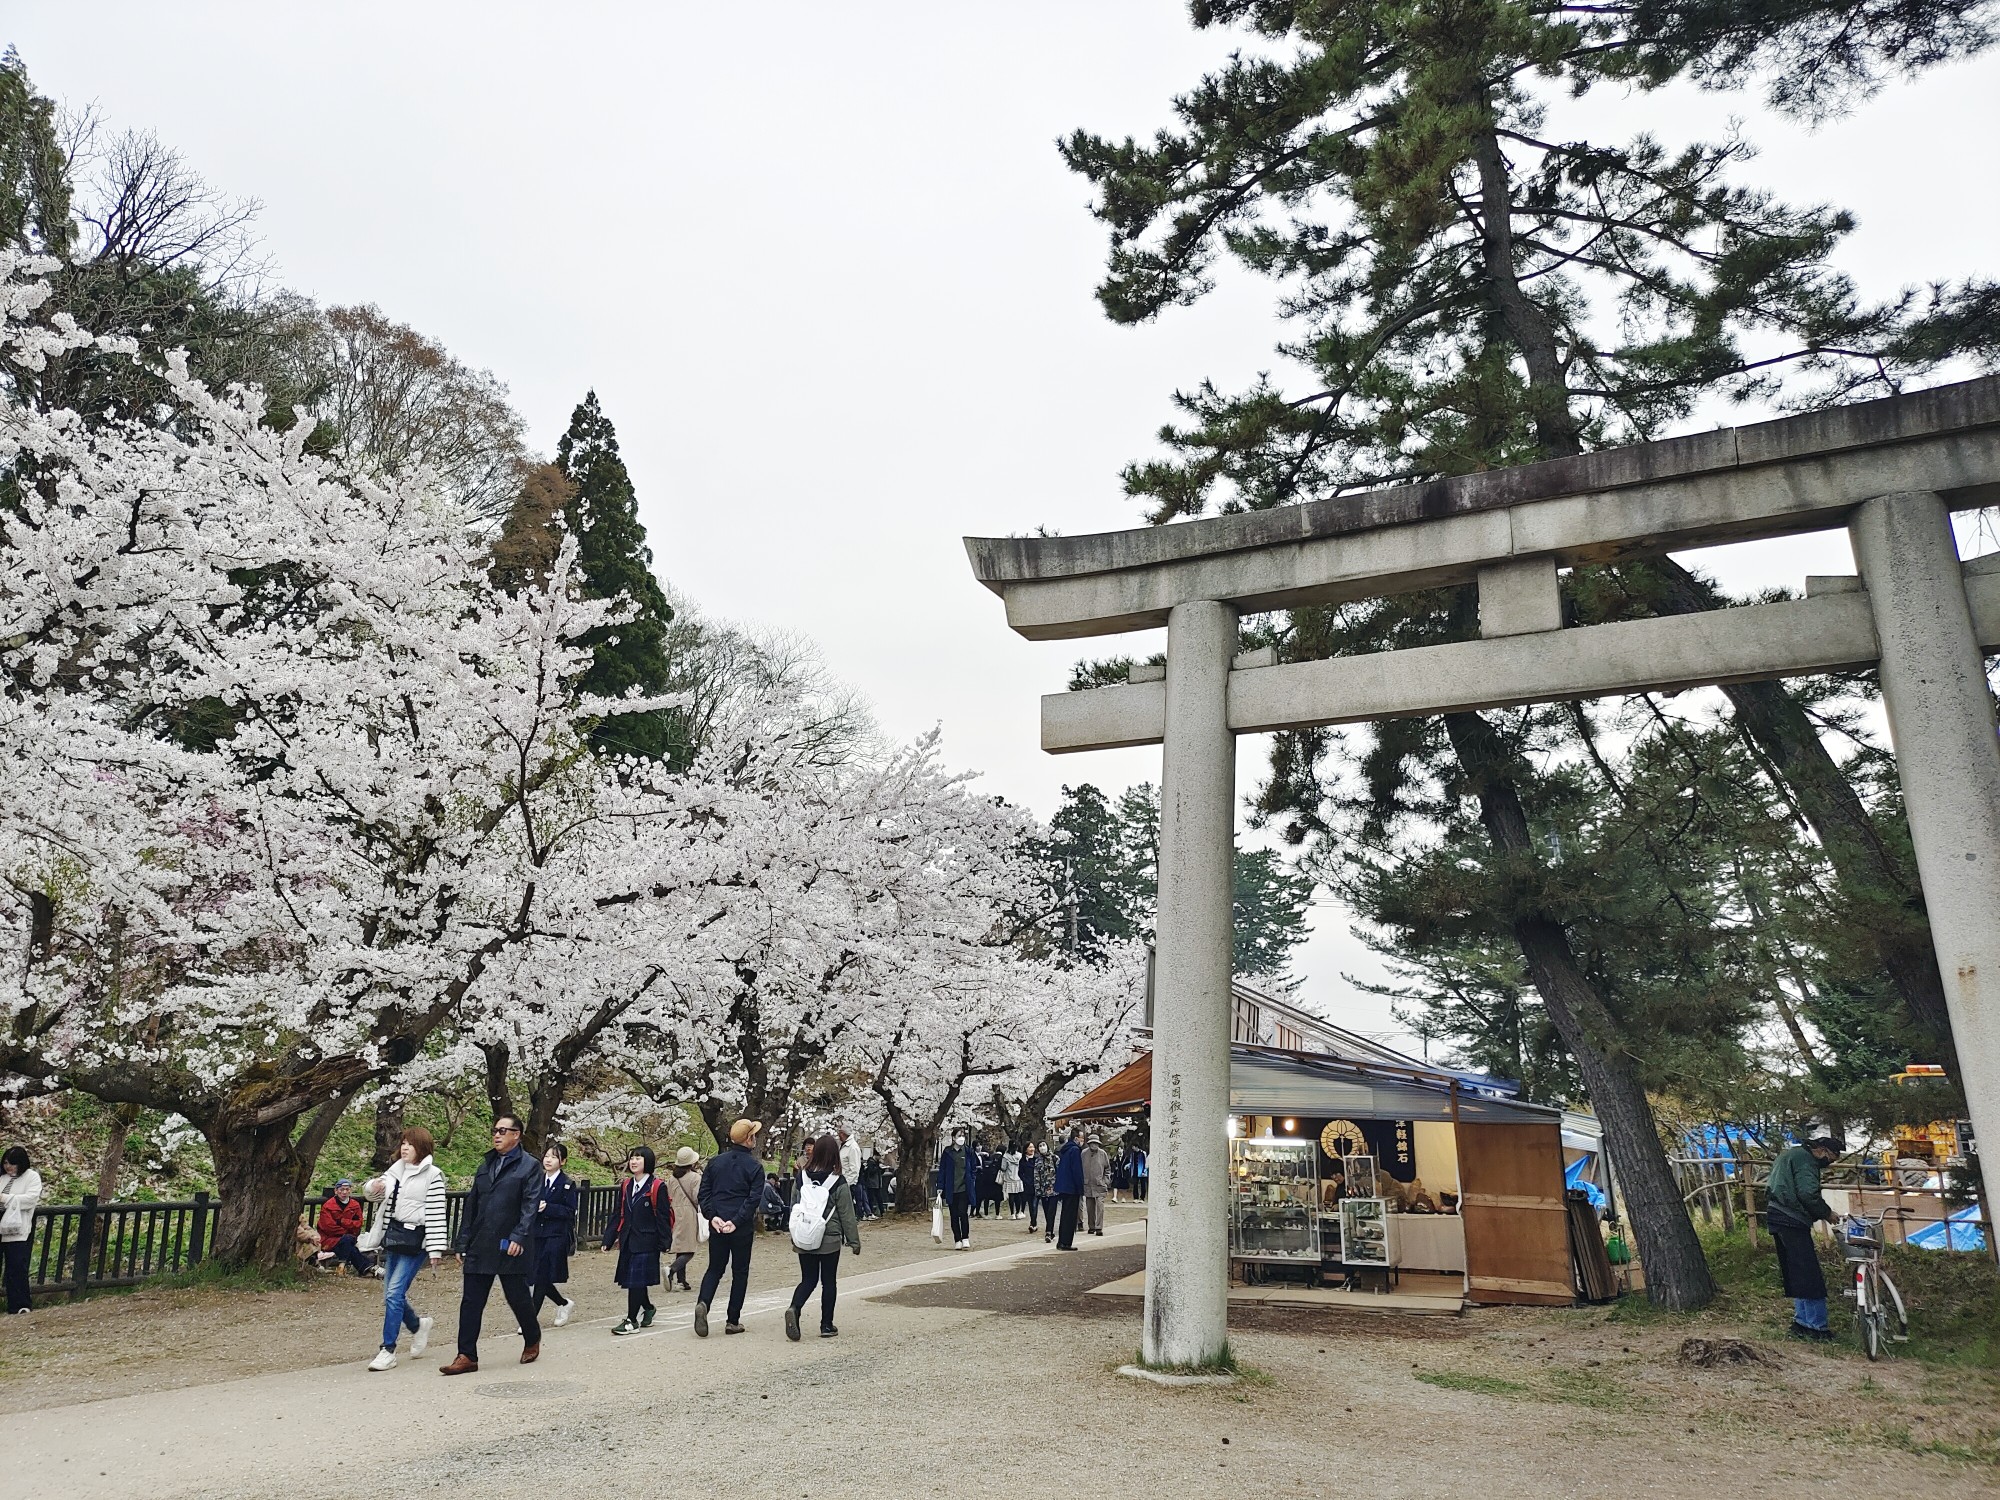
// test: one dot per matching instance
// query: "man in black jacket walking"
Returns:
(496, 1236)
(732, 1190)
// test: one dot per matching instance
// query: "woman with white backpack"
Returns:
(822, 1223)
(408, 1233)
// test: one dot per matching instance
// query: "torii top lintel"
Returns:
(1799, 473)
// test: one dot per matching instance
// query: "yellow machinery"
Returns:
(1919, 1149)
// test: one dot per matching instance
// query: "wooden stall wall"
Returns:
(1516, 1229)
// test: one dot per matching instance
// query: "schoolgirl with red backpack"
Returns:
(641, 1226)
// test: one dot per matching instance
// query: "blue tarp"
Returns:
(1960, 1232)
(1573, 1177)
(1719, 1143)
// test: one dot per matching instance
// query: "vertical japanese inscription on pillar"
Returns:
(1174, 1136)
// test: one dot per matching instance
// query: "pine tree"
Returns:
(613, 560)
(1468, 293)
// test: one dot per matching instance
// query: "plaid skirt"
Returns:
(637, 1268)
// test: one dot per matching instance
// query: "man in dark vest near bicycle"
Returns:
(1795, 1206)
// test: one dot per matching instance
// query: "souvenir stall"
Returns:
(1363, 1174)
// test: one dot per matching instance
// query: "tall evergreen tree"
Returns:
(1102, 884)
(613, 560)
(1469, 293)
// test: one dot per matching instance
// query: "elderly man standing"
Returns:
(495, 1237)
(1096, 1183)
(1795, 1206)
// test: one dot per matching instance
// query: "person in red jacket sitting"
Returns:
(341, 1220)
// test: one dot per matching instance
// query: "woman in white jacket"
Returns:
(409, 1230)
(20, 1191)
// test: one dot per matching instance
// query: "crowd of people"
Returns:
(1058, 1188)
(1004, 1184)
(518, 1224)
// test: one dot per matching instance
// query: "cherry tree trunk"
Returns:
(388, 1133)
(917, 1151)
(260, 1183)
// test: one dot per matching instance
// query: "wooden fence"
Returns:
(1715, 1188)
(76, 1246)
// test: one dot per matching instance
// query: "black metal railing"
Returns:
(76, 1246)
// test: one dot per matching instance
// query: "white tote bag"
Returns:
(937, 1220)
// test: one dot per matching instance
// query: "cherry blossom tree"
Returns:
(288, 776)
(848, 877)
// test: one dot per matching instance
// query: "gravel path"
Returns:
(156, 1338)
(999, 1381)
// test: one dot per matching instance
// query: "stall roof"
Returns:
(1125, 1092)
(1271, 1080)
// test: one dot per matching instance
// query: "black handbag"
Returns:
(399, 1238)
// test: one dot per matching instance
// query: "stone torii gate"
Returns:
(1889, 471)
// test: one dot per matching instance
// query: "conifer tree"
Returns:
(1467, 292)
(613, 560)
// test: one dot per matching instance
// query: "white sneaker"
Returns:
(419, 1341)
(562, 1313)
(385, 1359)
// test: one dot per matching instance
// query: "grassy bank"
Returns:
(1953, 1298)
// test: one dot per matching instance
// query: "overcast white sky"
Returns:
(830, 280)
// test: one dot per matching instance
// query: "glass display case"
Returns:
(1274, 1200)
(1364, 1232)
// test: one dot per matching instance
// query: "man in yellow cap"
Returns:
(732, 1189)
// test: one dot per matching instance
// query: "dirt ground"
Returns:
(997, 1379)
(130, 1342)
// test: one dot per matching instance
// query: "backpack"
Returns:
(814, 1208)
(624, 1202)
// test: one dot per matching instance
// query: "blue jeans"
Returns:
(1811, 1311)
(397, 1314)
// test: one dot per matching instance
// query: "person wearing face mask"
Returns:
(958, 1185)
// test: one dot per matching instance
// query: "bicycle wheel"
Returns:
(1870, 1319)
(1895, 1306)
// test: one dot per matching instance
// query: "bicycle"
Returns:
(1876, 1299)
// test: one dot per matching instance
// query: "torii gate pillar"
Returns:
(1187, 1257)
(1941, 719)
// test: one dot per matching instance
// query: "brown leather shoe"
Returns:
(460, 1366)
(530, 1354)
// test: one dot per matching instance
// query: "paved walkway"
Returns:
(269, 1435)
(990, 1373)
